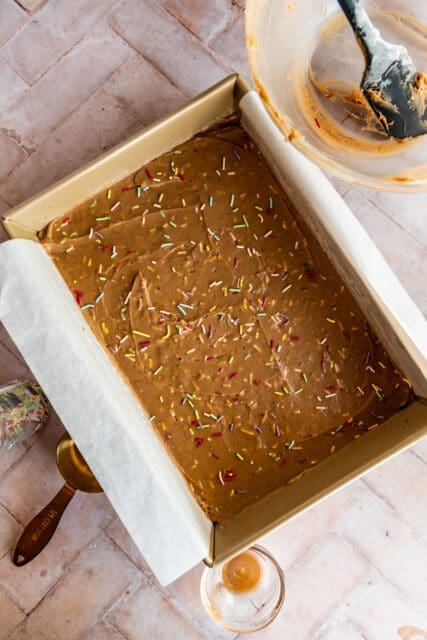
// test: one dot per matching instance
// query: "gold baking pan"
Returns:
(394, 435)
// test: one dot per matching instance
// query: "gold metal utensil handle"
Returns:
(40, 530)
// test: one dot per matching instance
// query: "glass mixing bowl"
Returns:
(307, 67)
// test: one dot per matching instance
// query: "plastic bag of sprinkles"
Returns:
(24, 410)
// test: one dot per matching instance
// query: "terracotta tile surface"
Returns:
(35, 115)
(316, 588)
(142, 90)
(31, 5)
(185, 595)
(11, 156)
(4, 206)
(104, 631)
(404, 252)
(11, 616)
(19, 492)
(11, 19)
(420, 449)
(51, 33)
(402, 483)
(206, 18)
(6, 341)
(12, 85)
(371, 526)
(11, 367)
(91, 129)
(10, 456)
(167, 44)
(230, 46)
(290, 543)
(75, 78)
(84, 519)
(118, 533)
(10, 530)
(93, 582)
(161, 619)
(377, 610)
(338, 631)
(403, 211)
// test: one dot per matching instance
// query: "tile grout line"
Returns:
(207, 49)
(152, 582)
(2, 215)
(396, 515)
(31, 150)
(116, 629)
(236, 13)
(127, 593)
(230, 23)
(335, 614)
(356, 550)
(418, 456)
(14, 136)
(6, 42)
(27, 155)
(344, 193)
(383, 498)
(358, 629)
(143, 571)
(380, 573)
(151, 62)
(28, 11)
(66, 572)
(100, 89)
(335, 611)
(158, 589)
(104, 612)
(124, 106)
(16, 605)
(4, 506)
(387, 215)
(64, 53)
(90, 96)
(309, 550)
(4, 345)
(375, 570)
(183, 615)
(156, 69)
(132, 588)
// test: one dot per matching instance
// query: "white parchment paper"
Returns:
(100, 412)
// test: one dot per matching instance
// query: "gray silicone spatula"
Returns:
(391, 85)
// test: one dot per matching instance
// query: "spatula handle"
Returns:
(40, 530)
(368, 36)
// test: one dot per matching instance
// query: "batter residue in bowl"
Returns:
(330, 92)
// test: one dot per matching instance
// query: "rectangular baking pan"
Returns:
(384, 302)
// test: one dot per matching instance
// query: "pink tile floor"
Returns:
(75, 78)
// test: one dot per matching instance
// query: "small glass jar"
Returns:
(245, 593)
(24, 410)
